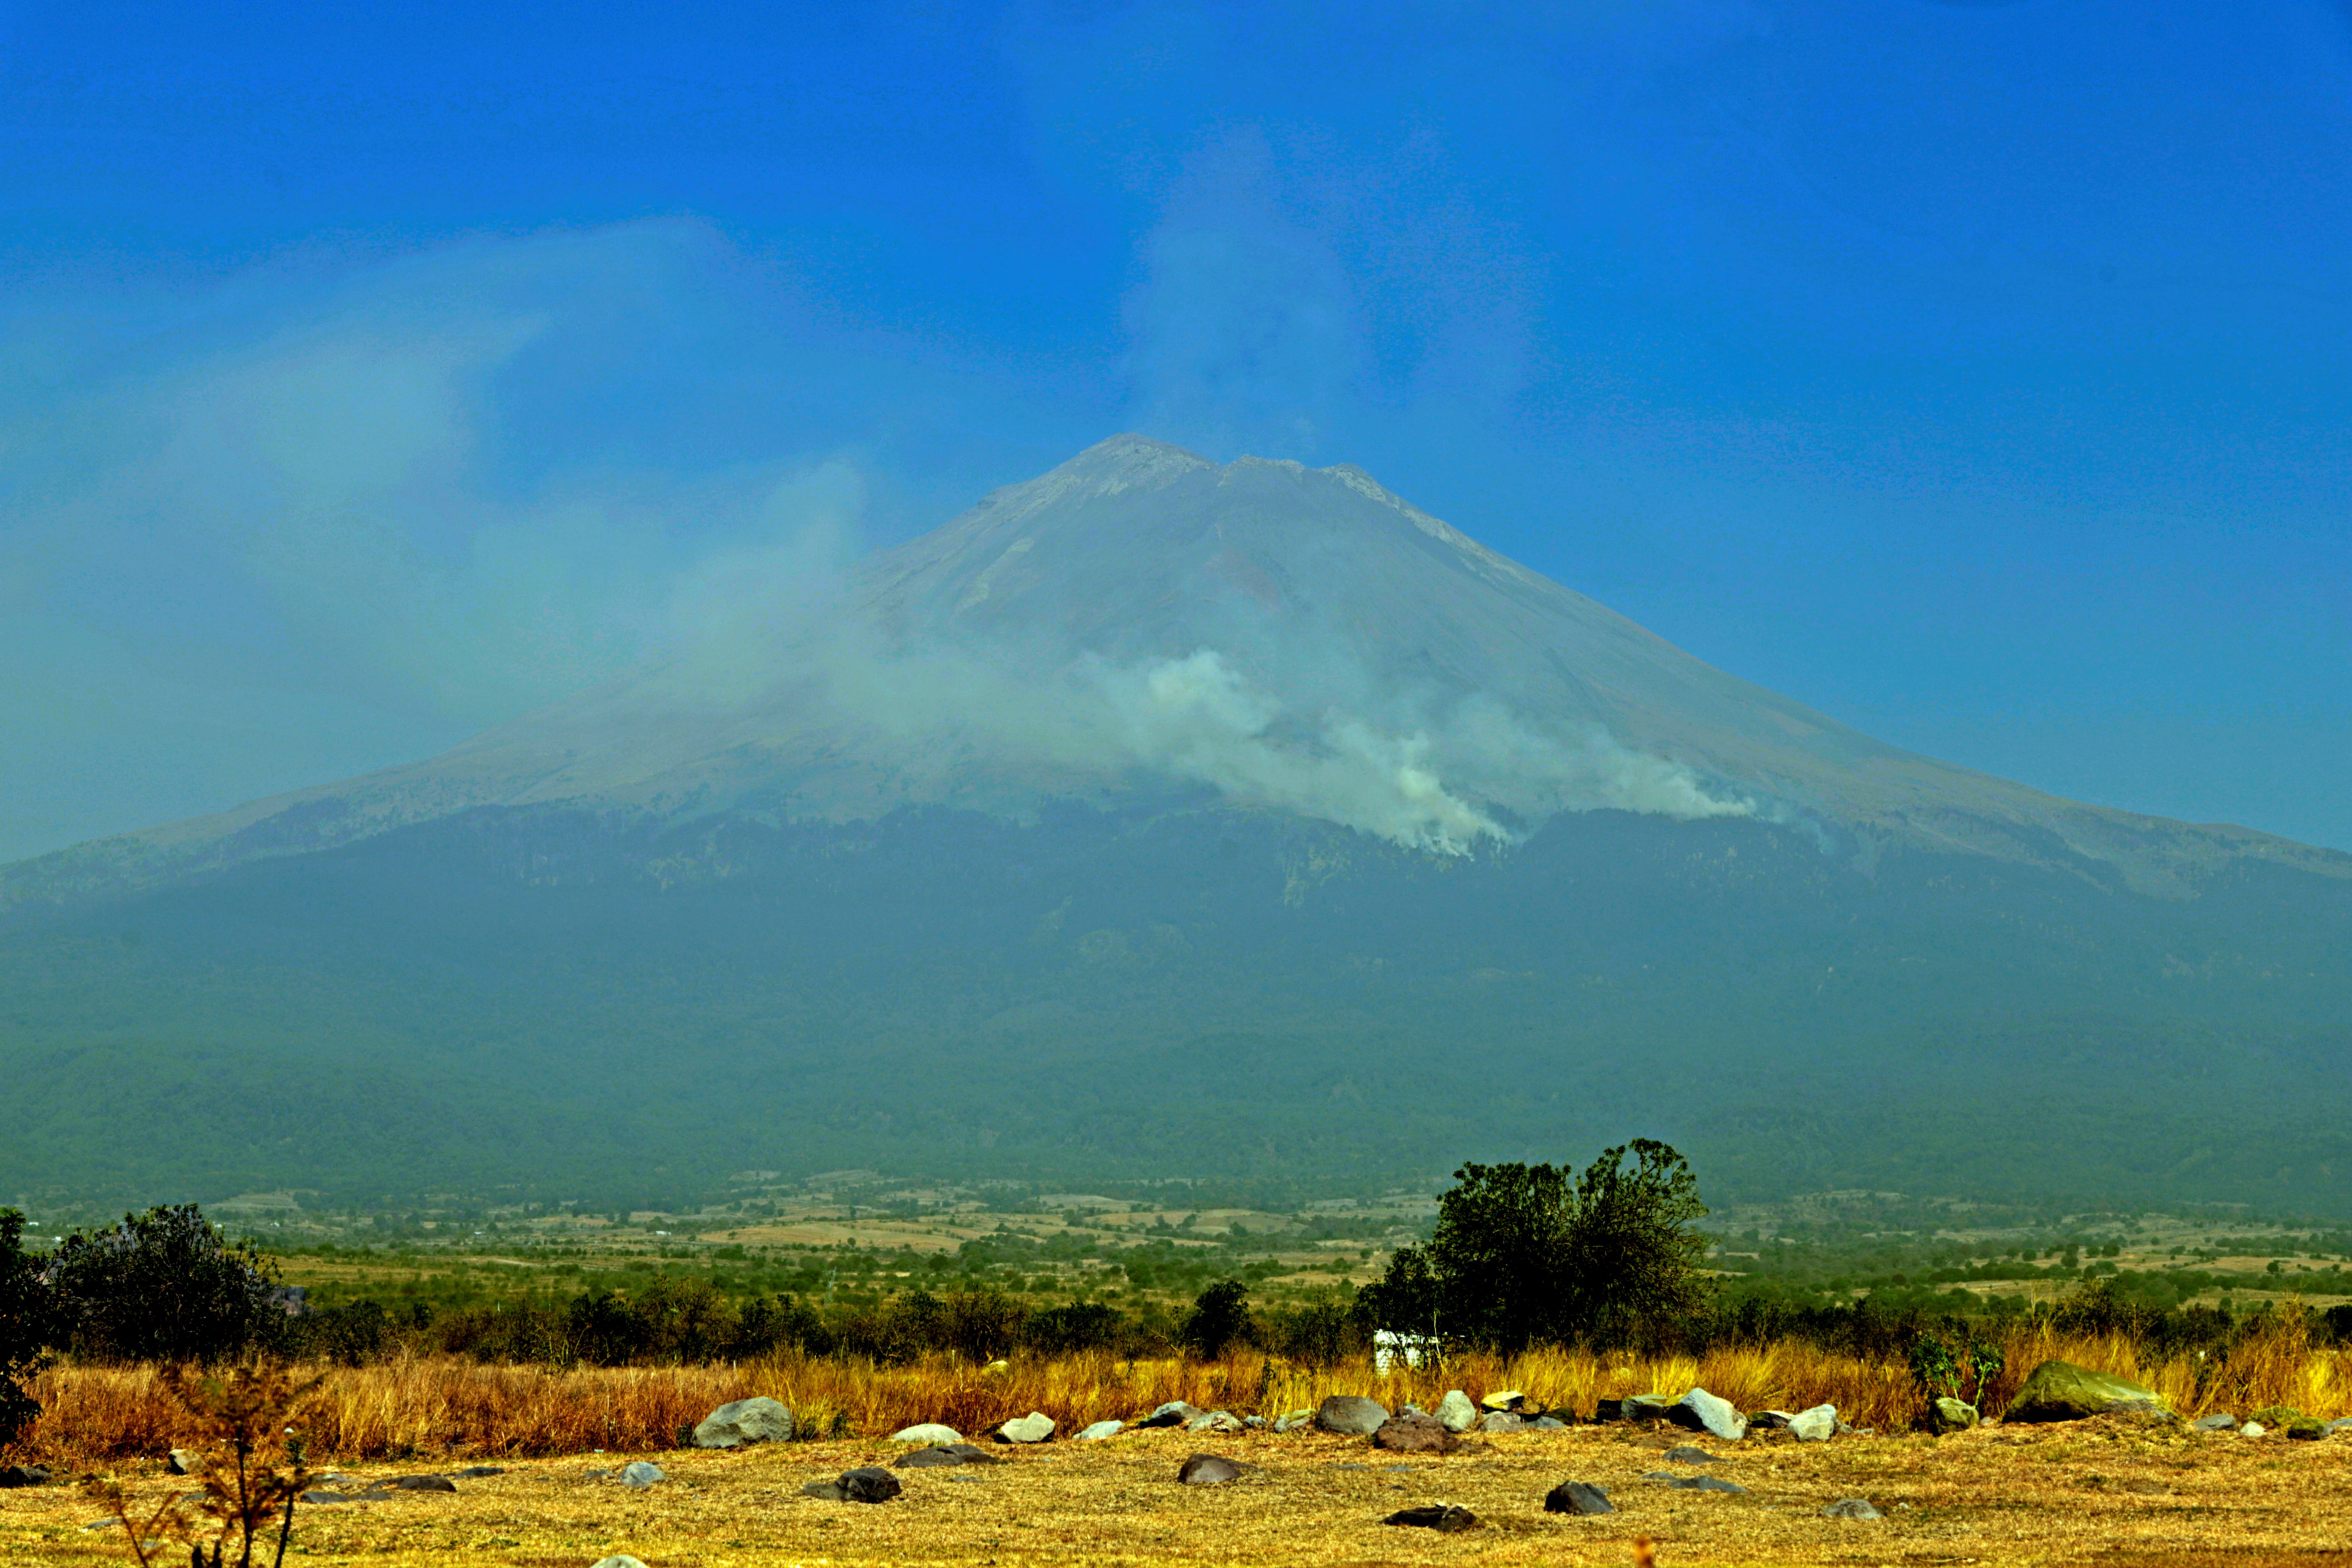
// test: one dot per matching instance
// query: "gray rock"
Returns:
(742, 1421)
(1706, 1484)
(1502, 1421)
(619, 1560)
(420, 1484)
(1770, 1420)
(184, 1462)
(1686, 1455)
(1703, 1412)
(1255, 1423)
(1951, 1416)
(2341, 1424)
(1577, 1497)
(944, 1457)
(1351, 1416)
(1207, 1470)
(641, 1473)
(23, 1475)
(476, 1472)
(1215, 1421)
(1456, 1411)
(1099, 1430)
(2061, 1391)
(927, 1432)
(1850, 1507)
(325, 1497)
(1818, 1424)
(1292, 1420)
(2220, 1421)
(1443, 1516)
(1033, 1427)
(1546, 1424)
(1175, 1413)
(1641, 1407)
(867, 1483)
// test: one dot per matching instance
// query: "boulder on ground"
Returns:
(1445, 1516)
(1686, 1455)
(1577, 1497)
(1456, 1411)
(184, 1462)
(867, 1483)
(1546, 1424)
(2219, 1421)
(619, 1560)
(1502, 1421)
(23, 1475)
(1704, 1484)
(320, 1495)
(944, 1457)
(927, 1432)
(476, 1472)
(420, 1484)
(2061, 1391)
(1175, 1413)
(1099, 1430)
(1415, 1434)
(640, 1473)
(1207, 1470)
(1033, 1427)
(1769, 1420)
(1510, 1399)
(1951, 1416)
(1215, 1421)
(1703, 1412)
(2306, 1431)
(2341, 1424)
(1633, 1408)
(1351, 1415)
(1850, 1507)
(1292, 1420)
(742, 1421)
(2253, 1430)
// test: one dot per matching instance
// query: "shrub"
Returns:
(1220, 1319)
(25, 1327)
(1080, 1326)
(163, 1286)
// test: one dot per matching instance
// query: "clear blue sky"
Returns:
(1979, 373)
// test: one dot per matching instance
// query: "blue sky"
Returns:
(1979, 373)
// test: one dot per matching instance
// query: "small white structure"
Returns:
(1391, 1349)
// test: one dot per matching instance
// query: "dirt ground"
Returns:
(2101, 1491)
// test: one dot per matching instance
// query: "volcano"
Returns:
(1156, 816)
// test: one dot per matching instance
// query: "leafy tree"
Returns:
(164, 1285)
(1526, 1254)
(1080, 1326)
(25, 1327)
(1321, 1331)
(1220, 1316)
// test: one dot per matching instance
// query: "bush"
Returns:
(1080, 1326)
(25, 1327)
(351, 1335)
(1319, 1331)
(164, 1285)
(1220, 1318)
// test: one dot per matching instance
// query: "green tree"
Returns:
(1220, 1316)
(1526, 1253)
(164, 1285)
(25, 1327)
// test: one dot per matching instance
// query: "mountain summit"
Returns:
(1157, 820)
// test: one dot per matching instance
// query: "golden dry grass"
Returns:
(444, 1407)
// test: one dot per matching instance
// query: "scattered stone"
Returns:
(1641, 1407)
(1351, 1416)
(2253, 1430)
(184, 1462)
(619, 1560)
(1207, 1470)
(1511, 1400)
(2061, 1391)
(476, 1472)
(23, 1475)
(419, 1484)
(1818, 1424)
(1255, 1423)
(2220, 1421)
(946, 1456)
(2277, 1415)
(2341, 1424)
(1175, 1413)
(1951, 1416)
(2306, 1431)
(1456, 1412)
(1770, 1420)
(867, 1483)
(742, 1421)
(641, 1473)
(1415, 1434)
(1660, 1476)
(594, 1475)
(1215, 1421)
(1034, 1427)
(1099, 1430)
(927, 1432)
(1703, 1412)
(1850, 1507)
(1577, 1497)
(1445, 1516)
(325, 1497)
(1292, 1420)
(1706, 1484)
(1502, 1421)
(1686, 1455)
(1546, 1424)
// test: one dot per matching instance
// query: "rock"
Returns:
(476, 1472)
(324, 1497)
(1770, 1420)
(1703, 1412)
(1850, 1507)
(1511, 1400)
(1215, 1421)
(927, 1432)
(1175, 1413)
(2253, 1430)
(1034, 1427)
(1502, 1421)
(619, 1560)
(420, 1484)
(1455, 1411)
(946, 1456)
(1445, 1516)
(1686, 1455)
(184, 1462)
(1951, 1416)
(1099, 1430)
(1577, 1497)
(23, 1475)
(2061, 1391)
(1207, 1470)
(1546, 1424)
(1704, 1484)
(867, 1483)
(1641, 1407)
(2341, 1424)
(1255, 1423)
(2277, 1415)
(1351, 1416)
(2220, 1421)
(1292, 1420)
(742, 1421)
(1415, 1434)
(2306, 1431)
(641, 1473)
